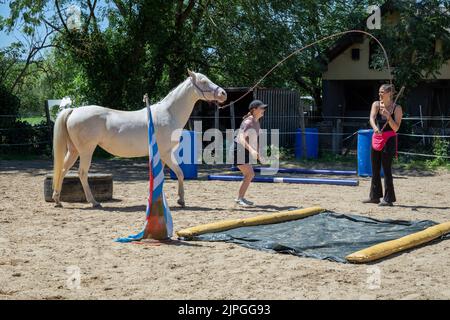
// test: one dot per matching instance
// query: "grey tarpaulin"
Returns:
(328, 235)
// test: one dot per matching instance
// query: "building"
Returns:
(350, 85)
(283, 113)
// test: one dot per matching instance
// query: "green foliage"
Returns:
(23, 138)
(422, 165)
(33, 120)
(440, 151)
(66, 78)
(146, 46)
(9, 61)
(411, 41)
(54, 113)
(330, 157)
(9, 110)
(250, 37)
(281, 153)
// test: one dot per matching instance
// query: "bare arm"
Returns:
(373, 117)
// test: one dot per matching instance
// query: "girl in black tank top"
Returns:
(381, 121)
(384, 157)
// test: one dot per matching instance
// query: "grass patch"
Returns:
(33, 120)
(425, 165)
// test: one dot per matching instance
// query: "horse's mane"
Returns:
(172, 91)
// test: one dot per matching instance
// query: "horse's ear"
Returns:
(191, 74)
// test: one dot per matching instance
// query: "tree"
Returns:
(253, 36)
(123, 48)
(412, 41)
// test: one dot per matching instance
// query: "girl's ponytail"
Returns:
(250, 113)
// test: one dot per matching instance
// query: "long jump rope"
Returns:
(337, 34)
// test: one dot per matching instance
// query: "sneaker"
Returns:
(384, 203)
(247, 202)
(243, 202)
(371, 201)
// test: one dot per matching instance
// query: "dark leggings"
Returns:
(383, 158)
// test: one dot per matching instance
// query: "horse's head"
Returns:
(206, 89)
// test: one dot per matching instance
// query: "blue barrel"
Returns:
(364, 149)
(312, 143)
(187, 162)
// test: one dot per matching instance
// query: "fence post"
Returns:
(302, 125)
(339, 130)
(333, 137)
(216, 118)
(49, 125)
(337, 136)
(233, 122)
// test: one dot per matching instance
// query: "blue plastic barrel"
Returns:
(187, 162)
(364, 149)
(312, 143)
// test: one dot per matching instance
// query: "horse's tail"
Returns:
(60, 140)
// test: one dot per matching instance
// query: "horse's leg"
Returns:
(69, 161)
(180, 177)
(85, 163)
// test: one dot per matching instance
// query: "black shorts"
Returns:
(241, 155)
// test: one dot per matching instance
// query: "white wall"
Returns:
(344, 68)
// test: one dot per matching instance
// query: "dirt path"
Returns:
(39, 242)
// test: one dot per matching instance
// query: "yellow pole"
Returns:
(247, 222)
(387, 248)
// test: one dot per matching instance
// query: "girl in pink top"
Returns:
(246, 147)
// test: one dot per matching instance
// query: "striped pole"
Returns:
(158, 222)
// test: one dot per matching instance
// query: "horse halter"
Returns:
(206, 91)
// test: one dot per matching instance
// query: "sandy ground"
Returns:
(42, 247)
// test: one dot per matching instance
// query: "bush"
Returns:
(19, 139)
(283, 154)
(22, 139)
(440, 151)
(9, 108)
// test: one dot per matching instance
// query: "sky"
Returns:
(7, 38)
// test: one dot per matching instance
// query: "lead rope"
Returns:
(395, 106)
(310, 45)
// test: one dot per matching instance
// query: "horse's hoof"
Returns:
(58, 205)
(181, 203)
(96, 205)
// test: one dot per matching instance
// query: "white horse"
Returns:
(79, 131)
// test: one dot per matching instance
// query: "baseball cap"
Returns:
(256, 104)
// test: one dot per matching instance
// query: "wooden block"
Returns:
(72, 190)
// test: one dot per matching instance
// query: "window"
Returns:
(355, 54)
